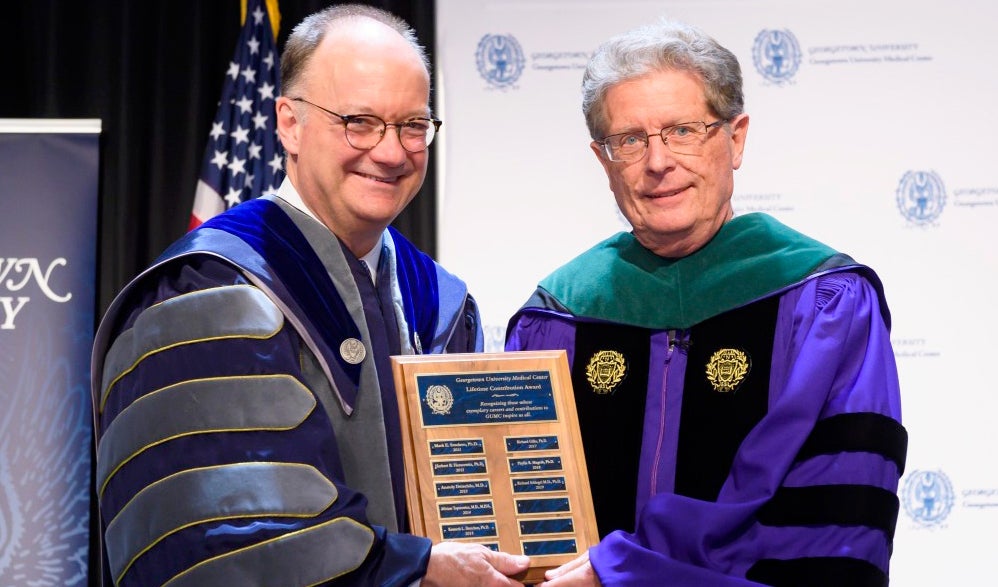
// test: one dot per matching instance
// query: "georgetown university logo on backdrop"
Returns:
(927, 497)
(921, 197)
(776, 55)
(500, 60)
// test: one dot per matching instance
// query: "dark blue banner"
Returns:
(48, 236)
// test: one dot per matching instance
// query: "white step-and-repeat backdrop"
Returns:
(875, 133)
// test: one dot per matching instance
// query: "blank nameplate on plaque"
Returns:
(493, 454)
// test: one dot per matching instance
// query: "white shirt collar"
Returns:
(289, 194)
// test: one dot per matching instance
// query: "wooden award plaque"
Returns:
(493, 454)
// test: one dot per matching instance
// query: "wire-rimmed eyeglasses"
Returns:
(365, 131)
(685, 138)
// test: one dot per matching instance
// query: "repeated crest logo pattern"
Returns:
(921, 197)
(776, 55)
(500, 60)
(927, 497)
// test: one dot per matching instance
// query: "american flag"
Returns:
(243, 158)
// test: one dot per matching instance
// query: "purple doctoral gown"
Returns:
(808, 494)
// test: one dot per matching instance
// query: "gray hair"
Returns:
(656, 47)
(310, 32)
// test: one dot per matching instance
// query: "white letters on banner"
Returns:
(8, 310)
(15, 275)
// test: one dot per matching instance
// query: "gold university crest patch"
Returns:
(727, 368)
(606, 369)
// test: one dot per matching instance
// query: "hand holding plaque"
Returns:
(493, 454)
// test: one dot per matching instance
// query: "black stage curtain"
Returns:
(152, 71)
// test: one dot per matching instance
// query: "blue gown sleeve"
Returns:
(216, 464)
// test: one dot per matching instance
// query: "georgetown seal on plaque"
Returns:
(439, 399)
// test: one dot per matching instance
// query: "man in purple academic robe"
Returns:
(735, 382)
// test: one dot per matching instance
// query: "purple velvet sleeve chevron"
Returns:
(391, 559)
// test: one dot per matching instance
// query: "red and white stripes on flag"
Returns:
(243, 158)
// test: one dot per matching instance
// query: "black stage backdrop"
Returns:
(152, 71)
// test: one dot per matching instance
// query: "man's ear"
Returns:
(739, 131)
(288, 124)
(601, 156)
